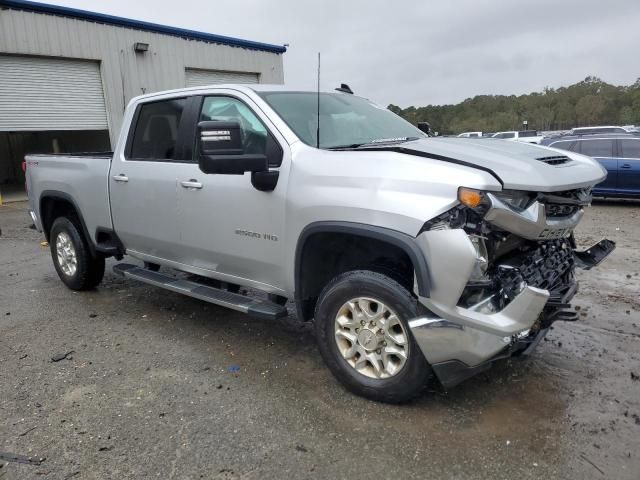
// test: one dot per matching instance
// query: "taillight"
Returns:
(24, 166)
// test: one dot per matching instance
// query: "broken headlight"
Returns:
(478, 200)
(478, 274)
(515, 198)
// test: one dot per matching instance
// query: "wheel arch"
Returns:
(54, 204)
(391, 241)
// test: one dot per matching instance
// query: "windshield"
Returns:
(345, 120)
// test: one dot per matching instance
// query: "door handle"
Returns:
(121, 178)
(625, 165)
(192, 184)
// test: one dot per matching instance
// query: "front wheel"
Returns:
(362, 332)
(76, 267)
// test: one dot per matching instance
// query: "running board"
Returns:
(254, 307)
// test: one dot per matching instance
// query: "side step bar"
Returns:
(254, 307)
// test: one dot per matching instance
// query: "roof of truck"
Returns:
(246, 88)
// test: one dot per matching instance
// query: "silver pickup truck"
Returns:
(417, 258)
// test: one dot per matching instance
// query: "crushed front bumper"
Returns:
(458, 342)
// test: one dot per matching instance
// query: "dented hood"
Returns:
(519, 166)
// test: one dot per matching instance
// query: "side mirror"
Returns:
(424, 127)
(222, 152)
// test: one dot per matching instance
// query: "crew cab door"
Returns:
(629, 165)
(143, 181)
(230, 229)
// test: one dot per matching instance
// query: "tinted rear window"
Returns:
(156, 130)
(630, 148)
(597, 148)
(505, 135)
(564, 145)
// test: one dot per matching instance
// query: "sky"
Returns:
(420, 52)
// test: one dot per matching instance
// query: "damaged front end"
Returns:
(502, 267)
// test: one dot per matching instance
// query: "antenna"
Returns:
(318, 106)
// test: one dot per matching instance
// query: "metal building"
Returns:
(66, 75)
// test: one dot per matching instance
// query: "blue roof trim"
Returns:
(139, 25)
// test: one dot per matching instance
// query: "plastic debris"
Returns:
(61, 356)
(15, 458)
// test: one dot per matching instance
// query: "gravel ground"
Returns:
(162, 386)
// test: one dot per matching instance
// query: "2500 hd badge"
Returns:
(264, 236)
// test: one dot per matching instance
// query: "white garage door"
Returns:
(50, 94)
(200, 78)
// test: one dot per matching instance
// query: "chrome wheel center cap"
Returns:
(368, 339)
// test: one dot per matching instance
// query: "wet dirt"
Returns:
(164, 386)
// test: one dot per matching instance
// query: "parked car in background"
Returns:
(596, 130)
(619, 154)
(470, 135)
(527, 136)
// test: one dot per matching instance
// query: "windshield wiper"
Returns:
(374, 143)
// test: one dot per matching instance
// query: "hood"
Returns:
(519, 166)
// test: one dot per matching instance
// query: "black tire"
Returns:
(414, 376)
(89, 269)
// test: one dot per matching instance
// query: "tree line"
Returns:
(589, 102)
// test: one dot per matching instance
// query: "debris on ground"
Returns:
(302, 448)
(591, 463)
(61, 356)
(233, 368)
(16, 458)
(44, 244)
(27, 431)
(635, 376)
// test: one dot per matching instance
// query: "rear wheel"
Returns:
(362, 332)
(72, 258)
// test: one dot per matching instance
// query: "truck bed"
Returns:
(80, 178)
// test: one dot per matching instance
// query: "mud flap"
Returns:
(592, 256)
